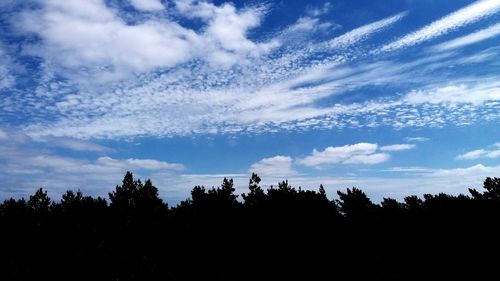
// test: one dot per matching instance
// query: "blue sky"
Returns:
(394, 97)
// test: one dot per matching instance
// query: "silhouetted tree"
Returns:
(413, 203)
(135, 197)
(123, 196)
(492, 186)
(147, 199)
(256, 195)
(12, 208)
(321, 191)
(39, 202)
(354, 204)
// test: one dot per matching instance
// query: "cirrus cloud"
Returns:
(468, 15)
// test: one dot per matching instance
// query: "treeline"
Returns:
(281, 233)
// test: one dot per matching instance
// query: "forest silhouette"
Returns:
(278, 233)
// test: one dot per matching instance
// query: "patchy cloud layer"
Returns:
(109, 73)
(25, 168)
(27, 164)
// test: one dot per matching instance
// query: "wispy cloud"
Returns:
(469, 39)
(14, 137)
(453, 21)
(474, 154)
(26, 164)
(360, 33)
(73, 144)
(397, 147)
(461, 93)
(416, 170)
(492, 152)
(417, 139)
(480, 171)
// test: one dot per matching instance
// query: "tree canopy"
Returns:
(279, 233)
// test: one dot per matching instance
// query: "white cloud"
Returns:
(469, 39)
(27, 169)
(478, 171)
(363, 32)
(369, 159)
(319, 11)
(423, 181)
(147, 5)
(132, 163)
(308, 24)
(89, 35)
(494, 152)
(274, 166)
(416, 139)
(299, 86)
(73, 144)
(453, 21)
(25, 165)
(397, 147)
(417, 170)
(460, 93)
(225, 40)
(472, 154)
(360, 153)
(51, 163)
(88, 39)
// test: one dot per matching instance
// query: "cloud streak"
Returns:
(359, 34)
(397, 147)
(469, 39)
(455, 20)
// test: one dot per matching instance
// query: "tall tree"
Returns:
(40, 201)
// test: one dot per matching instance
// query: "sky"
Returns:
(393, 97)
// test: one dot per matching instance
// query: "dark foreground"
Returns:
(281, 233)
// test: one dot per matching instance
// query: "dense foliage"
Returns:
(281, 233)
